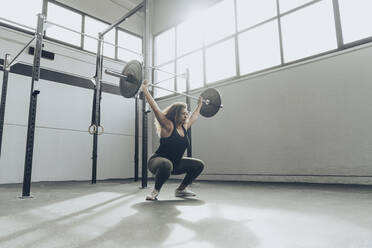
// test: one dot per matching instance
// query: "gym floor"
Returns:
(224, 214)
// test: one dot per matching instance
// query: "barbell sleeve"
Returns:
(115, 74)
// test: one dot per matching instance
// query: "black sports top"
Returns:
(174, 146)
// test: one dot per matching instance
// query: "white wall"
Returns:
(63, 147)
(308, 122)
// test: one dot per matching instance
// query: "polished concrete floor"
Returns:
(224, 214)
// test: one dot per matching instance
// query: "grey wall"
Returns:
(63, 147)
(308, 122)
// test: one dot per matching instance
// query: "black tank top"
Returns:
(174, 146)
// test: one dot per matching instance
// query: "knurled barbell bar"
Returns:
(131, 81)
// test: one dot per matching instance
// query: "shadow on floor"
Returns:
(154, 223)
(66, 222)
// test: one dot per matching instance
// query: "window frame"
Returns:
(339, 38)
(83, 14)
(46, 3)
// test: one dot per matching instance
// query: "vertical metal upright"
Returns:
(96, 110)
(144, 143)
(32, 107)
(146, 62)
(96, 118)
(3, 97)
(188, 102)
(136, 138)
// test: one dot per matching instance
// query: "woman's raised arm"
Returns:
(160, 116)
(194, 116)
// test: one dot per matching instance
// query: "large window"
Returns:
(309, 31)
(25, 15)
(356, 19)
(194, 63)
(164, 80)
(252, 12)
(189, 35)
(220, 61)
(287, 5)
(239, 37)
(66, 18)
(93, 27)
(165, 47)
(259, 48)
(219, 21)
(76, 22)
(131, 42)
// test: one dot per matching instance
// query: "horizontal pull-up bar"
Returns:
(16, 23)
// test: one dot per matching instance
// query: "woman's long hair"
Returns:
(173, 113)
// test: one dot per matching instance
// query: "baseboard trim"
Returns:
(323, 179)
(326, 179)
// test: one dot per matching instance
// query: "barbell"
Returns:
(131, 81)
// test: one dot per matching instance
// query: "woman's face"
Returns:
(184, 115)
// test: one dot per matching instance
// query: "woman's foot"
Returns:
(184, 193)
(153, 196)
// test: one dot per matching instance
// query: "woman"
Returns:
(171, 125)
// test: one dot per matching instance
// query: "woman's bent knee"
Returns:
(199, 164)
(159, 163)
(165, 167)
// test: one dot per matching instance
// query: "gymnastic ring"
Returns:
(102, 130)
(94, 129)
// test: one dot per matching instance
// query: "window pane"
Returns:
(26, 15)
(220, 61)
(309, 31)
(189, 35)
(93, 27)
(109, 50)
(286, 5)
(259, 48)
(194, 62)
(165, 47)
(168, 84)
(219, 21)
(356, 19)
(131, 42)
(251, 12)
(66, 18)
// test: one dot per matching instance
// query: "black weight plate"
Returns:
(209, 110)
(129, 86)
